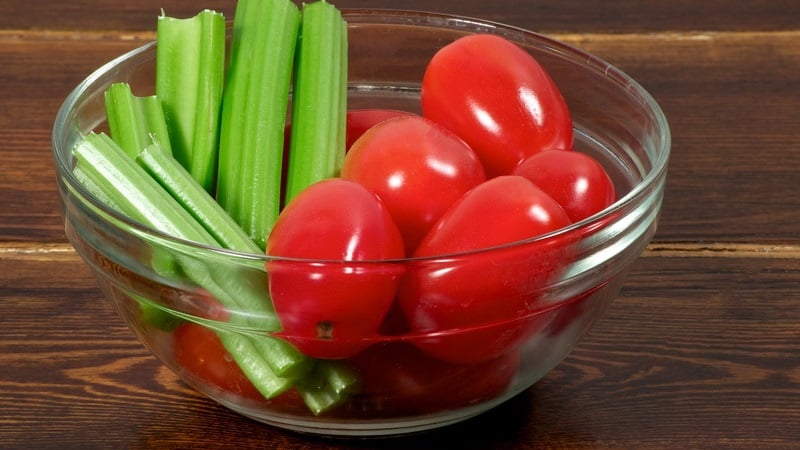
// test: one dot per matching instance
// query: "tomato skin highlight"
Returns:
(200, 353)
(484, 294)
(417, 168)
(327, 308)
(495, 96)
(578, 182)
(398, 378)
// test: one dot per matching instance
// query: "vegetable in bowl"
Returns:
(337, 316)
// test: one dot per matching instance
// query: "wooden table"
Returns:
(701, 349)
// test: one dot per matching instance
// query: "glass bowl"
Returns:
(397, 381)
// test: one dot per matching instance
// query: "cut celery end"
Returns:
(328, 385)
(248, 358)
(190, 68)
(134, 122)
(284, 360)
(319, 104)
(340, 377)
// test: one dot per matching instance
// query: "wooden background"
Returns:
(701, 349)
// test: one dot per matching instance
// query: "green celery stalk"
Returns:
(247, 357)
(319, 104)
(154, 316)
(340, 377)
(190, 68)
(173, 177)
(254, 109)
(134, 122)
(101, 161)
(88, 183)
(328, 385)
(250, 292)
(129, 187)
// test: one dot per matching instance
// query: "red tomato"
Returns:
(575, 180)
(327, 308)
(397, 378)
(361, 120)
(417, 168)
(200, 354)
(484, 292)
(496, 96)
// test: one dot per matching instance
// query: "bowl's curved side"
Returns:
(615, 119)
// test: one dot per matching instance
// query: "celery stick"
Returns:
(317, 144)
(134, 122)
(340, 378)
(254, 110)
(190, 67)
(285, 360)
(128, 186)
(329, 384)
(173, 177)
(250, 293)
(247, 357)
(101, 161)
(319, 400)
(87, 182)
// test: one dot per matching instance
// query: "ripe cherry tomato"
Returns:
(361, 120)
(486, 289)
(327, 308)
(495, 96)
(575, 180)
(398, 378)
(417, 168)
(199, 352)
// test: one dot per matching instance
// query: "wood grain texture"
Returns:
(698, 351)
(730, 98)
(544, 15)
(701, 350)
(732, 104)
(36, 76)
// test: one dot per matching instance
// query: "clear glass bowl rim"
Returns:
(637, 194)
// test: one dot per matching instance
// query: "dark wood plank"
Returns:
(730, 100)
(35, 78)
(701, 350)
(544, 15)
(697, 352)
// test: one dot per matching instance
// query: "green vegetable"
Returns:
(161, 168)
(330, 383)
(134, 122)
(246, 354)
(174, 178)
(126, 184)
(263, 359)
(155, 316)
(190, 67)
(254, 110)
(319, 104)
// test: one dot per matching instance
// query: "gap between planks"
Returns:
(31, 251)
